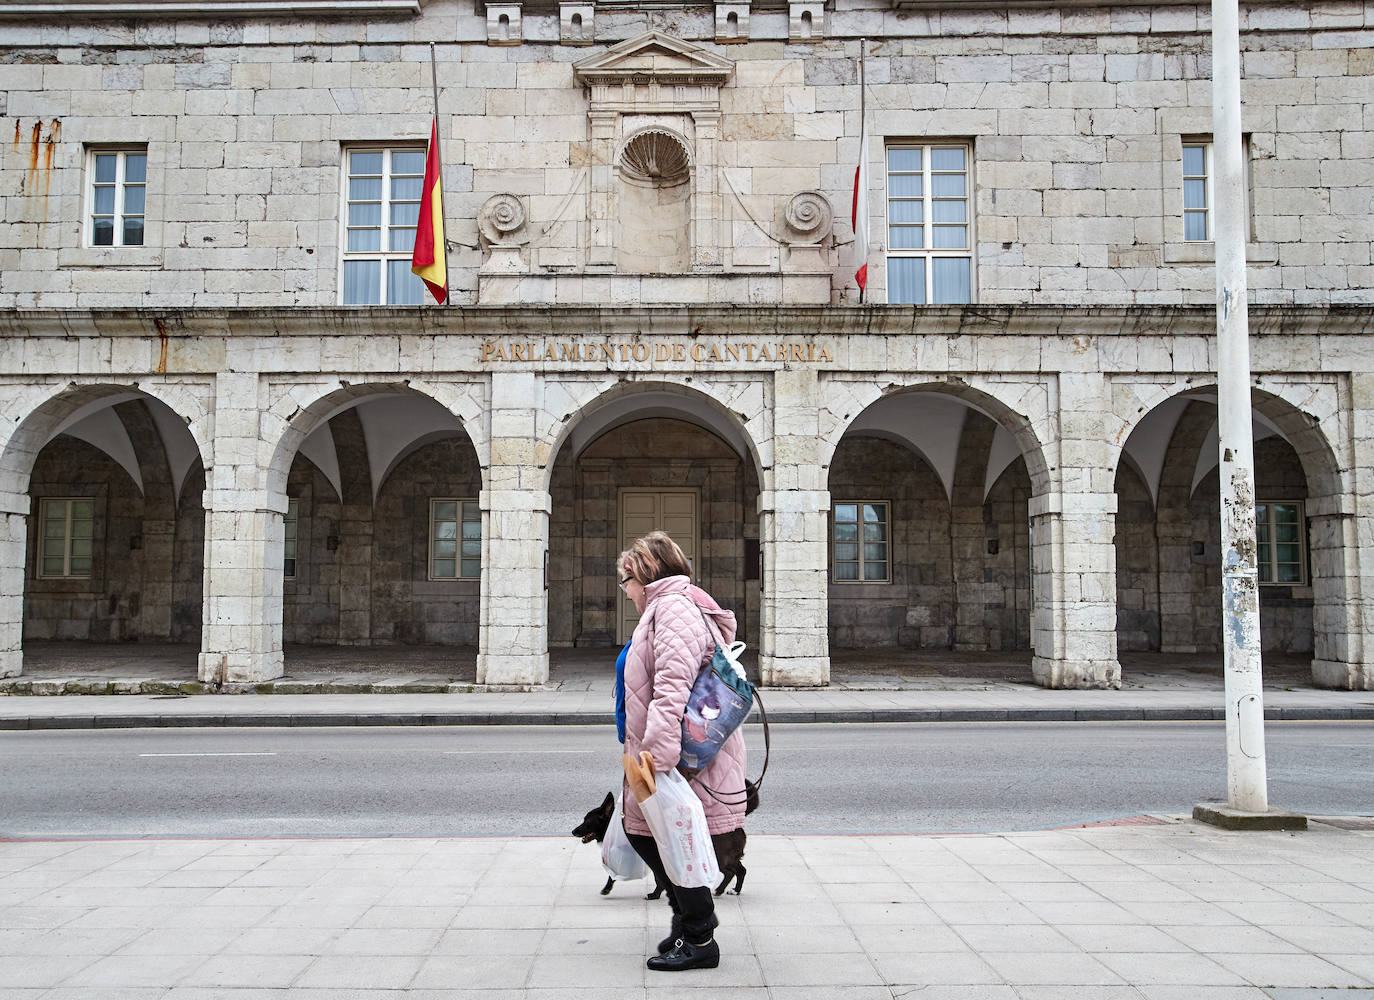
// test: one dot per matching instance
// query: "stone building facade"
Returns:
(227, 414)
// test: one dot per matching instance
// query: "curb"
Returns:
(365, 719)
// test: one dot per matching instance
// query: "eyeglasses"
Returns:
(624, 583)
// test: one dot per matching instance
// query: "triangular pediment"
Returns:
(654, 55)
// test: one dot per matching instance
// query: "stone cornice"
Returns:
(171, 9)
(983, 321)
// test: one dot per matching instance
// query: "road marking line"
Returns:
(246, 753)
(506, 752)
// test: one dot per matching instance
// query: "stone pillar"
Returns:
(968, 534)
(706, 196)
(794, 632)
(1073, 560)
(244, 532)
(13, 554)
(1073, 549)
(513, 642)
(600, 190)
(1338, 617)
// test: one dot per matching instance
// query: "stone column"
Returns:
(1338, 613)
(600, 191)
(1073, 549)
(513, 643)
(794, 631)
(244, 532)
(13, 554)
(706, 196)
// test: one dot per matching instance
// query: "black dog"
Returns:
(729, 847)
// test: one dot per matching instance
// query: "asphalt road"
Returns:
(540, 780)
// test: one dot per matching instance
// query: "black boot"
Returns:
(679, 929)
(685, 955)
(675, 932)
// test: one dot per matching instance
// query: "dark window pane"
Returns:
(947, 159)
(903, 159)
(1194, 161)
(136, 168)
(106, 165)
(102, 232)
(906, 280)
(952, 279)
(904, 185)
(408, 161)
(133, 232)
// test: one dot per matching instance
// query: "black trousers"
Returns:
(695, 907)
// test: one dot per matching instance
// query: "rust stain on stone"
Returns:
(162, 336)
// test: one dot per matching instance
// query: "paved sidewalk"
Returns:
(1169, 911)
(332, 686)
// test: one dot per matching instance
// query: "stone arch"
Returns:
(304, 406)
(651, 437)
(739, 405)
(1021, 408)
(1307, 414)
(38, 413)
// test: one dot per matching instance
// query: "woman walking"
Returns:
(678, 629)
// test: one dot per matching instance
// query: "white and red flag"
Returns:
(858, 257)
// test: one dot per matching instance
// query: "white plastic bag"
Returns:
(618, 856)
(678, 823)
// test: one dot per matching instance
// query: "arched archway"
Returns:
(333, 570)
(102, 488)
(644, 455)
(1170, 455)
(935, 489)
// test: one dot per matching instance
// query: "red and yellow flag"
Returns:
(428, 258)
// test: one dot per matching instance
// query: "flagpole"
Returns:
(863, 54)
(434, 80)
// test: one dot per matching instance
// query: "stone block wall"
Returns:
(1075, 115)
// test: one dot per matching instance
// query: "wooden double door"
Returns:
(675, 512)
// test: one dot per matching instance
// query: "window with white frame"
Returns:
(455, 540)
(1197, 191)
(382, 192)
(116, 197)
(68, 526)
(292, 523)
(859, 542)
(929, 223)
(1281, 550)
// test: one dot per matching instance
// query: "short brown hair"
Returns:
(654, 557)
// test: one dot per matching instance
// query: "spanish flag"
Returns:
(428, 258)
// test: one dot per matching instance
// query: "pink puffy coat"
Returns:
(669, 648)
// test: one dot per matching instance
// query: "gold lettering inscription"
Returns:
(699, 352)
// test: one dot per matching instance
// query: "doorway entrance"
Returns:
(643, 511)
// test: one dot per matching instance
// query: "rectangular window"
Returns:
(455, 540)
(859, 549)
(68, 527)
(1282, 543)
(381, 208)
(116, 197)
(1197, 191)
(929, 226)
(289, 545)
